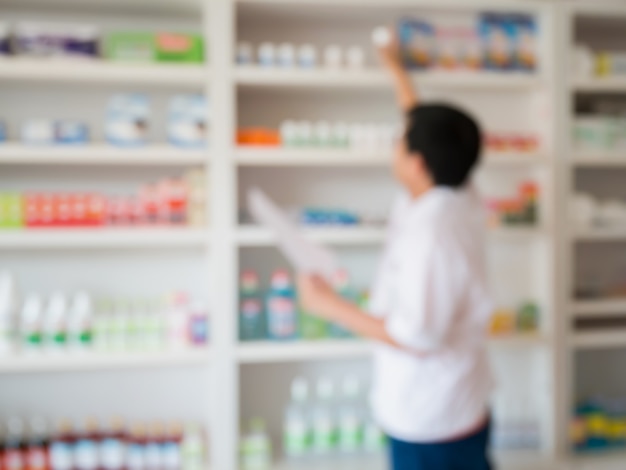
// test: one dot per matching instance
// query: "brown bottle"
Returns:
(86, 448)
(113, 446)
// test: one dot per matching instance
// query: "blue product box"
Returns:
(498, 39)
(71, 133)
(127, 120)
(417, 43)
(526, 35)
(187, 121)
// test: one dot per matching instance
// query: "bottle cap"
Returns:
(381, 36)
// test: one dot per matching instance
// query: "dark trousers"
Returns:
(469, 453)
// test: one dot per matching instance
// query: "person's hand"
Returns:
(317, 297)
(389, 51)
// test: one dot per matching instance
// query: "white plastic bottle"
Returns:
(297, 425)
(55, 323)
(333, 57)
(323, 134)
(355, 57)
(192, 448)
(31, 319)
(8, 312)
(324, 423)
(350, 417)
(307, 56)
(80, 322)
(102, 325)
(267, 54)
(256, 447)
(245, 53)
(286, 55)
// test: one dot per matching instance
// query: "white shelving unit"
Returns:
(534, 261)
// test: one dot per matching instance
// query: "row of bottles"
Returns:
(77, 322)
(331, 425)
(274, 315)
(34, 445)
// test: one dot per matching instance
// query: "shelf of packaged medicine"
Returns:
(326, 349)
(100, 154)
(101, 72)
(181, 8)
(286, 156)
(258, 236)
(256, 76)
(103, 238)
(599, 339)
(616, 84)
(434, 4)
(599, 308)
(91, 361)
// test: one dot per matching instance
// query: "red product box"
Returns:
(149, 202)
(120, 210)
(62, 204)
(90, 210)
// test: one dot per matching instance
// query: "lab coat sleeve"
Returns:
(428, 291)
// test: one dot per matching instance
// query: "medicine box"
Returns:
(187, 121)
(127, 120)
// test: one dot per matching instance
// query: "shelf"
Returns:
(101, 72)
(285, 156)
(600, 340)
(92, 361)
(431, 4)
(608, 460)
(103, 238)
(270, 351)
(251, 236)
(599, 308)
(100, 154)
(256, 76)
(257, 236)
(280, 156)
(600, 85)
(599, 160)
(600, 234)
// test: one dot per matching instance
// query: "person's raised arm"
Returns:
(390, 56)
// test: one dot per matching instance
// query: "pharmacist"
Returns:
(430, 304)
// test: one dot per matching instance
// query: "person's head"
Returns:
(441, 147)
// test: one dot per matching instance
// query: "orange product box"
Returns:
(62, 210)
(95, 210)
(258, 136)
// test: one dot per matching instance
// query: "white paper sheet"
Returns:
(303, 254)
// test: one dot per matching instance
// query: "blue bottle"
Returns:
(252, 324)
(282, 317)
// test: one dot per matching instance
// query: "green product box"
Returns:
(11, 210)
(312, 327)
(130, 47)
(179, 48)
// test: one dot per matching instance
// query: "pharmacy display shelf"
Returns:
(455, 5)
(256, 76)
(100, 72)
(99, 154)
(595, 234)
(96, 361)
(156, 7)
(599, 340)
(601, 460)
(103, 238)
(615, 84)
(250, 236)
(268, 351)
(316, 350)
(599, 160)
(285, 156)
(598, 308)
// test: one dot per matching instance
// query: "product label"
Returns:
(112, 454)
(350, 433)
(61, 456)
(136, 457)
(154, 455)
(86, 455)
(297, 439)
(14, 460)
(281, 317)
(36, 458)
(171, 455)
(324, 436)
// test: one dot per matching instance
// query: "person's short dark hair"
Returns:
(448, 139)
